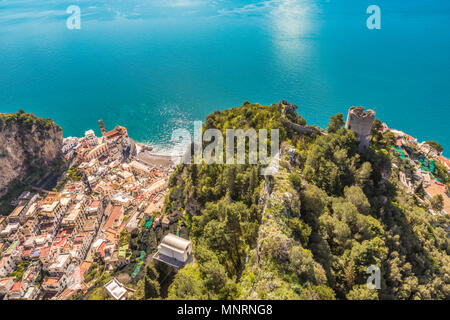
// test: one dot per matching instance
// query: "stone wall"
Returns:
(361, 121)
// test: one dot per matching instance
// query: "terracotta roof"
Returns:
(95, 203)
(111, 235)
(51, 281)
(115, 214)
(101, 249)
(84, 267)
(26, 253)
(118, 131)
(45, 251)
(435, 189)
(17, 211)
(59, 242)
(17, 286)
(79, 238)
(445, 161)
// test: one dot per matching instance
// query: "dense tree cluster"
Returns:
(148, 287)
(312, 230)
(437, 146)
(27, 120)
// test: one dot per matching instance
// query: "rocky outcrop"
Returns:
(28, 145)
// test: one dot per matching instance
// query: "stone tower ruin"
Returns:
(360, 122)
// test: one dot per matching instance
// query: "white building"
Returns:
(69, 143)
(61, 263)
(121, 200)
(5, 285)
(116, 289)
(7, 265)
(174, 251)
(9, 230)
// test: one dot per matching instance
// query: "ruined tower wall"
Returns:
(360, 122)
(301, 129)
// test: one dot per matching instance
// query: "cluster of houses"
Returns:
(173, 251)
(111, 145)
(422, 158)
(50, 241)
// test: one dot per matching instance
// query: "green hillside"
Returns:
(312, 230)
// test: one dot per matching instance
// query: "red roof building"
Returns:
(115, 218)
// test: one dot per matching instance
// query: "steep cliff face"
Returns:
(28, 144)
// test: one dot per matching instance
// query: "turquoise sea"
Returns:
(154, 66)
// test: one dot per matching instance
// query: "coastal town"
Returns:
(57, 244)
(53, 240)
(422, 159)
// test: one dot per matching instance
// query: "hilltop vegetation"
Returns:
(437, 146)
(29, 147)
(26, 120)
(312, 230)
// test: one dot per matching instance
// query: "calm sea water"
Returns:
(154, 66)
